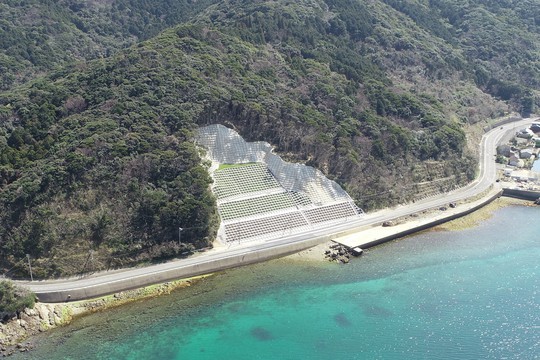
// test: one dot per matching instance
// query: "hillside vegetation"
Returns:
(97, 164)
(39, 35)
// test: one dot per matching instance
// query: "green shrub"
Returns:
(14, 298)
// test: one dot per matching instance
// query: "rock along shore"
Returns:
(15, 333)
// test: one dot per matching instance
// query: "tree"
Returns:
(14, 299)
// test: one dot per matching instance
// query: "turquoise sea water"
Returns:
(471, 294)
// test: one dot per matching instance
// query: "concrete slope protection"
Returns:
(262, 197)
(220, 259)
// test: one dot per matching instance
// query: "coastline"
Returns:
(475, 218)
(278, 295)
(45, 316)
(454, 204)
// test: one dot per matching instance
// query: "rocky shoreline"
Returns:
(329, 251)
(15, 334)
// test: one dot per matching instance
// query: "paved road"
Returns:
(130, 278)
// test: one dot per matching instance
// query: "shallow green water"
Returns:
(470, 294)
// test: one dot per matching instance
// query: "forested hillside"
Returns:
(39, 35)
(97, 163)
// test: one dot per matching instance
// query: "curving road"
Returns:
(218, 259)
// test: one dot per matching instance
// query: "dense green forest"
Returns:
(98, 110)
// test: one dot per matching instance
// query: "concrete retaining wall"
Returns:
(211, 266)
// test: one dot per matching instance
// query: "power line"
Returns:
(14, 266)
(30, 267)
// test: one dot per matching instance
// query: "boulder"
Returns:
(30, 312)
(25, 317)
(43, 312)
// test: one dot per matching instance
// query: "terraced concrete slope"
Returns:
(260, 196)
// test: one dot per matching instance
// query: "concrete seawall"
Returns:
(521, 194)
(371, 234)
(378, 235)
(187, 271)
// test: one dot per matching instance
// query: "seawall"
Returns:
(362, 237)
(521, 194)
(207, 267)
(379, 234)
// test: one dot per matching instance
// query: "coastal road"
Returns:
(217, 259)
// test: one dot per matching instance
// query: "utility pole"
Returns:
(179, 235)
(30, 267)
(89, 261)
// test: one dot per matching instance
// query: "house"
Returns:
(525, 134)
(516, 161)
(526, 153)
(504, 150)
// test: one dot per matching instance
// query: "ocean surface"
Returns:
(468, 294)
(536, 166)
